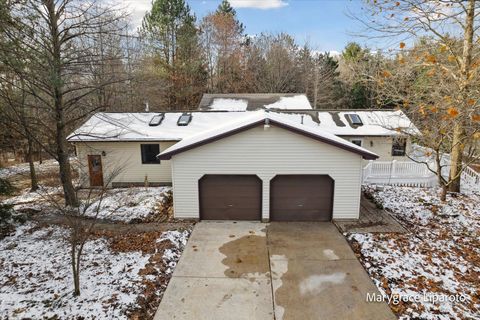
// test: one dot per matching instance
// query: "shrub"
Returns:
(6, 211)
(6, 188)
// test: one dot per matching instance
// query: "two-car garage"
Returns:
(266, 168)
(292, 197)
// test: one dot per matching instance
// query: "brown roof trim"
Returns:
(365, 155)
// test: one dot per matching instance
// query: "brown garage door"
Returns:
(301, 198)
(230, 197)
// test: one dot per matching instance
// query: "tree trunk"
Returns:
(33, 175)
(64, 166)
(456, 165)
(443, 195)
(459, 130)
(75, 271)
(58, 107)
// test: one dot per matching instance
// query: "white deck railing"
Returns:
(413, 174)
(398, 173)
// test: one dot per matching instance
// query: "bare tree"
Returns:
(448, 23)
(81, 220)
(55, 37)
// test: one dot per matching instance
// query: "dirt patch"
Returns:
(245, 256)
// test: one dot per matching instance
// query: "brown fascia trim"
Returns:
(365, 155)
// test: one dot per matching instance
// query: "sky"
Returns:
(324, 24)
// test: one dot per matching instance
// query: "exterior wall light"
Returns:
(104, 153)
(267, 124)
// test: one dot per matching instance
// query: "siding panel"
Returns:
(124, 157)
(267, 153)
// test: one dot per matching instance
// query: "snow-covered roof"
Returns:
(135, 126)
(253, 101)
(255, 118)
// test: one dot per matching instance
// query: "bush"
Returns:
(6, 188)
(6, 211)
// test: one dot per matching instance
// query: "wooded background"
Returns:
(61, 61)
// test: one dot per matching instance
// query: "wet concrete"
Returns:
(315, 275)
(246, 256)
(250, 270)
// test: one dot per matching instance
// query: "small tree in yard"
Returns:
(81, 221)
(438, 80)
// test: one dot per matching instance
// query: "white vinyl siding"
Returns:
(382, 146)
(267, 153)
(125, 157)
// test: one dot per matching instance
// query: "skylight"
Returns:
(184, 119)
(156, 120)
(355, 119)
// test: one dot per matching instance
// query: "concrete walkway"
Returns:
(252, 270)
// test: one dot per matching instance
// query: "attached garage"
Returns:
(230, 197)
(265, 167)
(301, 198)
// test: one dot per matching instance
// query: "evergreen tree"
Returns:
(173, 42)
(226, 8)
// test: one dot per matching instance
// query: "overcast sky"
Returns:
(323, 23)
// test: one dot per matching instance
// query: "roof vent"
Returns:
(355, 119)
(184, 119)
(156, 120)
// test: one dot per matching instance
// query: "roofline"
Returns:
(123, 140)
(266, 109)
(365, 155)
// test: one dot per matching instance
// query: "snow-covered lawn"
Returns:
(438, 259)
(36, 280)
(123, 204)
(47, 166)
(127, 204)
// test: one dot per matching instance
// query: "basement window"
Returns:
(184, 119)
(355, 119)
(399, 147)
(149, 153)
(156, 120)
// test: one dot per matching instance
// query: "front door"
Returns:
(95, 170)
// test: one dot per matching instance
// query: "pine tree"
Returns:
(226, 8)
(172, 38)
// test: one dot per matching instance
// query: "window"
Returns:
(358, 142)
(149, 153)
(156, 120)
(184, 119)
(399, 147)
(355, 119)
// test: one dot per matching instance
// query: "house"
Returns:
(269, 157)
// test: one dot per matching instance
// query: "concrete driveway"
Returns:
(284, 270)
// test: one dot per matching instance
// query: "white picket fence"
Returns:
(412, 174)
(398, 173)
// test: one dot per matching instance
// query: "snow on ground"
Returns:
(36, 280)
(24, 169)
(123, 204)
(127, 204)
(438, 259)
(35, 200)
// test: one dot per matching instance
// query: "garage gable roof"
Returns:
(257, 118)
